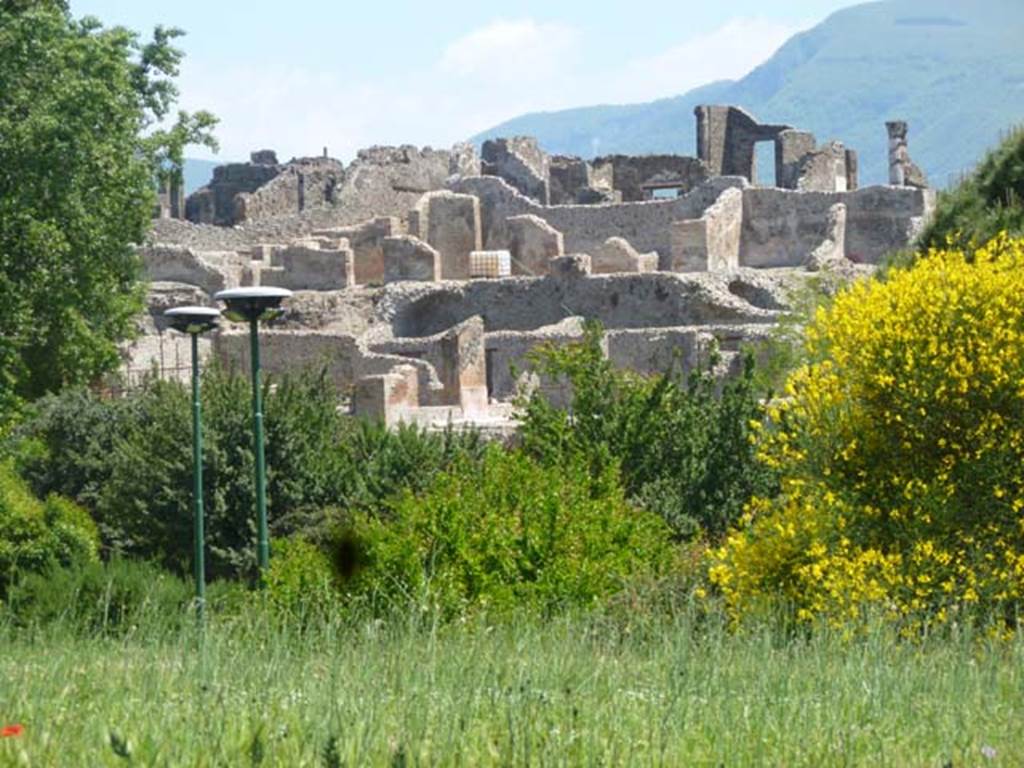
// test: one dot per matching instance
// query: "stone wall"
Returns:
(619, 301)
(784, 227)
(302, 184)
(712, 242)
(215, 203)
(522, 163)
(585, 228)
(726, 140)
(635, 177)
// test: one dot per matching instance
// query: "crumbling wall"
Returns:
(726, 139)
(210, 270)
(569, 177)
(343, 359)
(312, 265)
(661, 299)
(366, 240)
(450, 223)
(710, 243)
(303, 183)
(784, 227)
(215, 203)
(522, 163)
(636, 177)
(585, 228)
(532, 244)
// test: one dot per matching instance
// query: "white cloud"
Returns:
(489, 75)
(509, 50)
(727, 53)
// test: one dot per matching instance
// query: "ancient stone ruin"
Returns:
(425, 277)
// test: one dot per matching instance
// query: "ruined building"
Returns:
(425, 277)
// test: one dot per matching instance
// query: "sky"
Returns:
(301, 75)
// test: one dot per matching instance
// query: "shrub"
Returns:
(114, 597)
(683, 447)
(901, 445)
(989, 201)
(36, 534)
(300, 581)
(129, 461)
(509, 533)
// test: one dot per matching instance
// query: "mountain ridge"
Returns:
(953, 72)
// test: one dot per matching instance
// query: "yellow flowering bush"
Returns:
(902, 448)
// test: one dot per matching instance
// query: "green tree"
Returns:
(85, 131)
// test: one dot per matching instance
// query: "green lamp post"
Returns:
(252, 305)
(194, 321)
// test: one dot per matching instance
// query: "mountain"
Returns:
(198, 173)
(953, 69)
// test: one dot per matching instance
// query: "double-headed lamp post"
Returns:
(252, 305)
(194, 321)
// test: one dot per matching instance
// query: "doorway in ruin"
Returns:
(764, 165)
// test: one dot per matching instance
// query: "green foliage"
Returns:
(301, 582)
(78, 161)
(508, 534)
(129, 461)
(989, 201)
(683, 447)
(36, 534)
(114, 597)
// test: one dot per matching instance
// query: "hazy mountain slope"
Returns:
(954, 69)
(198, 173)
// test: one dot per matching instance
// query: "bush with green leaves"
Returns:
(683, 446)
(112, 597)
(988, 201)
(301, 582)
(36, 534)
(507, 534)
(129, 461)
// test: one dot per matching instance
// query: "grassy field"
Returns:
(585, 691)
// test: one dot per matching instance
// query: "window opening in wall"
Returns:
(664, 192)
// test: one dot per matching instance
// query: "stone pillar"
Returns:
(898, 155)
(852, 170)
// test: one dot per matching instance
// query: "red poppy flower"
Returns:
(11, 730)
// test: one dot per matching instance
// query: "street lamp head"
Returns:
(247, 304)
(193, 320)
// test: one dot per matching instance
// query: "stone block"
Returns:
(533, 243)
(490, 264)
(388, 397)
(450, 223)
(409, 258)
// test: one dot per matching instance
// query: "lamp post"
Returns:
(252, 305)
(194, 321)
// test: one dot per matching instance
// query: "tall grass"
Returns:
(570, 691)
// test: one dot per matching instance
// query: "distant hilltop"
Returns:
(952, 69)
